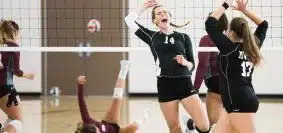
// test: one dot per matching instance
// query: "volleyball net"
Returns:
(58, 28)
(63, 23)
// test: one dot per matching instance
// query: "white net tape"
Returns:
(109, 49)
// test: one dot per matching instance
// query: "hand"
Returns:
(241, 5)
(181, 60)
(150, 3)
(81, 80)
(229, 2)
(29, 76)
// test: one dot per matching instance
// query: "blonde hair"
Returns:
(8, 30)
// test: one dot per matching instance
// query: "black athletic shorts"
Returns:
(12, 93)
(212, 84)
(240, 99)
(5, 90)
(170, 89)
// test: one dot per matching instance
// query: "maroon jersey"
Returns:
(103, 126)
(207, 66)
(11, 65)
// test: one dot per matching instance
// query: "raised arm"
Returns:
(143, 33)
(261, 30)
(223, 43)
(83, 108)
(133, 16)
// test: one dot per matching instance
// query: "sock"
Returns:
(202, 131)
(124, 69)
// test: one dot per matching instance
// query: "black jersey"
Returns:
(235, 67)
(165, 48)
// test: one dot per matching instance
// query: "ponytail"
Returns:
(250, 42)
(250, 46)
(180, 26)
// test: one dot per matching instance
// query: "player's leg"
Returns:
(168, 98)
(170, 112)
(194, 106)
(223, 124)
(214, 104)
(14, 122)
(242, 117)
(242, 122)
(113, 113)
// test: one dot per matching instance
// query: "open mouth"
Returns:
(164, 20)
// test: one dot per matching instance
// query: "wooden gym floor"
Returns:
(60, 115)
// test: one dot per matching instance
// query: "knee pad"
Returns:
(118, 93)
(17, 124)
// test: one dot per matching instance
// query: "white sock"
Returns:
(125, 65)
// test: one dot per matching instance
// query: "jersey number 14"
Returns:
(171, 40)
(246, 68)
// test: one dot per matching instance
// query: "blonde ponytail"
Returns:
(180, 26)
(250, 46)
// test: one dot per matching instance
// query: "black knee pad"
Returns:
(202, 131)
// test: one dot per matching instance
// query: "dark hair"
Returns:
(222, 23)
(86, 128)
(8, 30)
(241, 28)
(171, 24)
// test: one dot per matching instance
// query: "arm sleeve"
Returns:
(260, 32)
(202, 67)
(83, 108)
(189, 51)
(219, 39)
(140, 31)
(16, 64)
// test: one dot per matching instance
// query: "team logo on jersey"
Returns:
(242, 55)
